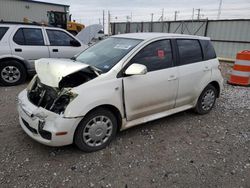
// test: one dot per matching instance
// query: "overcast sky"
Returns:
(89, 12)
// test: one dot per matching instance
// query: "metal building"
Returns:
(228, 36)
(33, 11)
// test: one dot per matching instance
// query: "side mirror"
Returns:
(136, 69)
(75, 43)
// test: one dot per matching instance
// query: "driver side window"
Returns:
(60, 38)
(155, 56)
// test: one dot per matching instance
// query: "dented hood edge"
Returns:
(51, 71)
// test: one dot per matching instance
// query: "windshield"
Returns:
(107, 53)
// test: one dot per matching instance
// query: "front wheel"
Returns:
(206, 100)
(96, 130)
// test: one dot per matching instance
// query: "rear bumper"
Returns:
(43, 125)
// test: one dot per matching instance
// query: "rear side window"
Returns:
(60, 38)
(3, 30)
(189, 51)
(208, 49)
(155, 56)
(19, 38)
(29, 36)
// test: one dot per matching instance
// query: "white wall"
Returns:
(16, 10)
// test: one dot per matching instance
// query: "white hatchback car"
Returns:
(118, 83)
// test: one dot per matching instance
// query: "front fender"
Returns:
(94, 94)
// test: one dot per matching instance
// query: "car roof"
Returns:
(149, 36)
(29, 26)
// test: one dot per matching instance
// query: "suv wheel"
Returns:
(206, 100)
(96, 130)
(12, 73)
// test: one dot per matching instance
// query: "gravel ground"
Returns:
(183, 150)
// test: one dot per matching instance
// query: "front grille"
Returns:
(29, 127)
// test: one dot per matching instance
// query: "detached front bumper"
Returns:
(45, 126)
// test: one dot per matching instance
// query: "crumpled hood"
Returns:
(51, 71)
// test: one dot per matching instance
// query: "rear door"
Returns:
(155, 91)
(193, 72)
(29, 43)
(62, 44)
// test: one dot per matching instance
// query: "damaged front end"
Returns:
(56, 99)
(51, 88)
(49, 98)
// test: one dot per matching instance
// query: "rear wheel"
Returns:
(12, 73)
(206, 100)
(96, 130)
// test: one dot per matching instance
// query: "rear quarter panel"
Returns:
(216, 74)
(4, 42)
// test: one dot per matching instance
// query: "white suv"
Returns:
(22, 44)
(118, 83)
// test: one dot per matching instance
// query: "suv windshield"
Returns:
(105, 54)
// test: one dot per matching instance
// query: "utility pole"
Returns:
(152, 17)
(131, 17)
(162, 15)
(219, 10)
(103, 14)
(100, 21)
(198, 14)
(109, 23)
(193, 14)
(175, 15)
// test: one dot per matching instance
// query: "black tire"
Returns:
(17, 67)
(79, 139)
(200, 106)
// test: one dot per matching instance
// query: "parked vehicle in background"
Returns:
(118, 83)
(22, 44)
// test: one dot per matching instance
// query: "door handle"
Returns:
(55, 50)
(206, 69)
(172, 77)
(18, 50)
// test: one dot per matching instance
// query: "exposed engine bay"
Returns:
(56, 99)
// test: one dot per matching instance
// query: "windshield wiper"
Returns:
(96, 70)
(93, 68)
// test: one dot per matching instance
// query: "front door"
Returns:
(62, 45)
(156, 90)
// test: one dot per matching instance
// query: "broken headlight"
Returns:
(53, 99)
(62, 102)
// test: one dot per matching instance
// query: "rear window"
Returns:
(189, 51)
(208, 49)
(3, 30)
